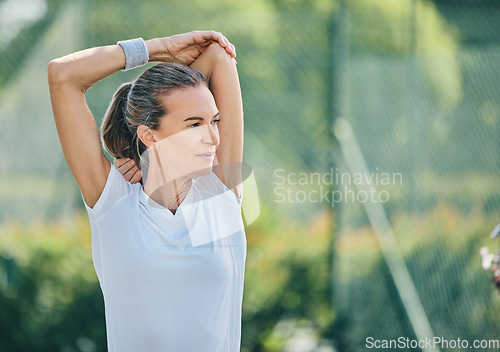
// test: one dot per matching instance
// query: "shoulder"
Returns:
(115, 189)
(211, 185)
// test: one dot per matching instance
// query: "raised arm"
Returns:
(70, 77)
(220, 70)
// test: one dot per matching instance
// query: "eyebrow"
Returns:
(199, 118)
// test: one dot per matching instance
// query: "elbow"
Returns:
(57, 72)
(218, 53)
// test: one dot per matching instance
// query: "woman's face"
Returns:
(188, 135)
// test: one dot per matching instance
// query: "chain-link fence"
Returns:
(408, 86)
(283, 60)
(418, 118)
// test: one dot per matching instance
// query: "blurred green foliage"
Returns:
(422, 98)
(49, 298)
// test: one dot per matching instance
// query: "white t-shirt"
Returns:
(171, 282)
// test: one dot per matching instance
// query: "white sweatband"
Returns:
(136, 53)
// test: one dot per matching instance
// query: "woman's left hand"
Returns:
(128, 169)
(185, 48)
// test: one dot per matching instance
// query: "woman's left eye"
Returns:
(198, 124)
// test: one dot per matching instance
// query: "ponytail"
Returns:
(116, 136)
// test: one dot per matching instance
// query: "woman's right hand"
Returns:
(185, 48)
(129, 170)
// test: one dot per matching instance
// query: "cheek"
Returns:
(183, 143)
(216, 130)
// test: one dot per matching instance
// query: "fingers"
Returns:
(131, 174)
(203, 36)
(128, 169)
(124, 164)
(120, 162)
(231, 50)
(136, 177)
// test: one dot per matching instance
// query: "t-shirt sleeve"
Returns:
(115, 189)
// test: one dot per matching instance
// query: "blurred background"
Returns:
(397, 97)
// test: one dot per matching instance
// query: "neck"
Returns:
(165, 189)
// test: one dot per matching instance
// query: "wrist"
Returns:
(153, 47)
(158, 50)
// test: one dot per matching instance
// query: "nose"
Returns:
(212, 135)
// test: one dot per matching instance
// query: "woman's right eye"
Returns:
(194, 124)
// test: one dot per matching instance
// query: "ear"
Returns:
(146, 135)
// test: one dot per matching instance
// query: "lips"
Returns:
(209, 154)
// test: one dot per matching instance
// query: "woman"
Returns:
(169, 252)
